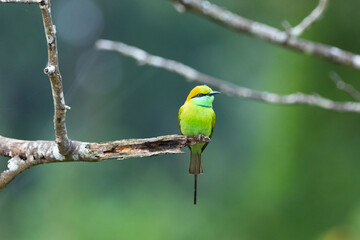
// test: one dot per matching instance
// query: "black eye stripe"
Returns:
(200, 95)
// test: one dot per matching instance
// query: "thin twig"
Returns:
(20, 1)
(26, 154)
(346, 87)
(309, 20)
(228, 88)
(52, 70)
(268, 33)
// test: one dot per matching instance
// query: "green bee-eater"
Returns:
(197, 116)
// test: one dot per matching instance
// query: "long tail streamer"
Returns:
(195, 188)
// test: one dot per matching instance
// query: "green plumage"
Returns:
(196, 117)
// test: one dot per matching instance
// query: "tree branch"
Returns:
(342, 85)
(225, 87)
(26, 154)
(52, 70)
(268, 33)
(309, 20)
(20, 1)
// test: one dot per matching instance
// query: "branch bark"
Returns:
(268, 33)
(342, 85)
(53, 72)
(26, 154)
(314, 16)
(228, 88)
(20, 1)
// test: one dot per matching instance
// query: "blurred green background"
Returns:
(271, 172)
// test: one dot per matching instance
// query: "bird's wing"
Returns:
(212, 130)
(180, 111)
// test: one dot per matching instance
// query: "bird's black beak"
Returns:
(213, 93)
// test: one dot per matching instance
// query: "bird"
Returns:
(196, 117)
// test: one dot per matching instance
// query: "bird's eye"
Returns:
(200, 95)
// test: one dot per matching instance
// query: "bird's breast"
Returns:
(196, 120)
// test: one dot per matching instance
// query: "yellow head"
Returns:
(200, 91)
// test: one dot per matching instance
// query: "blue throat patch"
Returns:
(203, 106)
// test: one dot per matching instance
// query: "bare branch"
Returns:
(26, 154)
(309, 20)
(20, 1)
(342, 85)
(268, 33)
(15, 166)
(225, 87)
(52, 70)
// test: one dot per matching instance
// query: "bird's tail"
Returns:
(195, 164)
(195, 168)
(195, 189)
